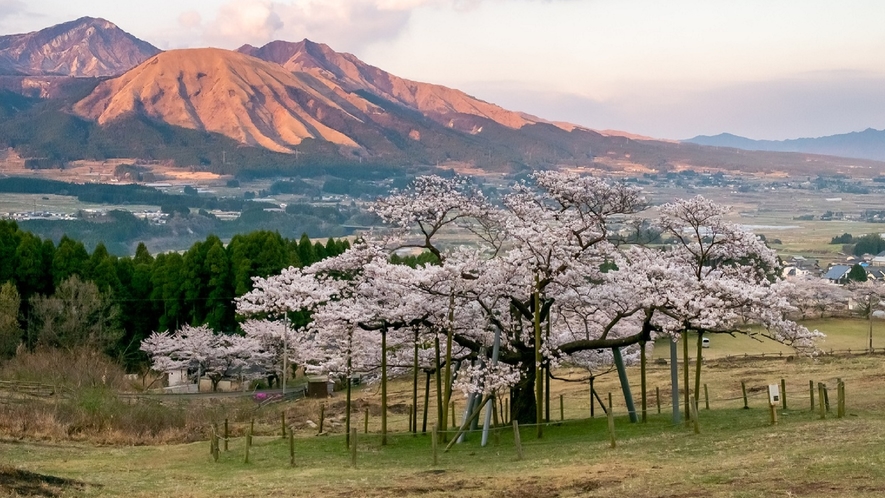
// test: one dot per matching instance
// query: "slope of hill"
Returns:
(244, 98)
(86, 47)
(867, 144)
(437, 102)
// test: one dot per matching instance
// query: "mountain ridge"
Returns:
(866, 144)
(84, 47)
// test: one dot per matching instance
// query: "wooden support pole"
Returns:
(283, 424)
(658, 397)
(820, 399)
(433, 445)
(827, 398)
(411, 411)
(322, 416)
(706, 397)
(517, 441)
(366, 421)
(783, 394)
(454, 421)
(694, 417)
(592, 392)
(353, 447)
(744, 391)
(611, 422)
(467, 421)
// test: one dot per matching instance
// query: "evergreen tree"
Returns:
(857, 274)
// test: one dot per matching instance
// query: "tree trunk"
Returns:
(539, 379)
(522, 400)
(383, 387)
(686, 388)
(414, 420)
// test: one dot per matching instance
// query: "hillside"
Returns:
(436, 102)
(867, 144)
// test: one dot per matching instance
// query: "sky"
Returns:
(772, 69)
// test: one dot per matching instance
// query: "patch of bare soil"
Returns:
(18, 482)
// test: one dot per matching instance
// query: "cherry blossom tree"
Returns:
(535, 282)
(200, 351)
(867, 296)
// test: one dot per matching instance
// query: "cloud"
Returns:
(9, 8)
(190, 19)
(343, 24)
(807, 105)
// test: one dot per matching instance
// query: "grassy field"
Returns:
(841, 335)
(737, 452)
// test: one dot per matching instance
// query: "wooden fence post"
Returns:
(820, 398)
(783, 394)
(322, 416)
(226, 434)
(213, 442)
(744, 391)
(283, 424)
(811, 393)
(706, 397)
(827, 398)
(248, 444)
(411, 410)
(842, 397)
(657, 395)
(366, 421)
(694, 416)
(517, 441)
(291, 448)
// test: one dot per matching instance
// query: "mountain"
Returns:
(241, 97)
(283, 105)
(867, 144)
(439, 103)
(86, 47)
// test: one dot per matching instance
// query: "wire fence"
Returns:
(813, 396)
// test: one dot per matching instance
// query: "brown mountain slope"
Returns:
(247, 99)
(84, 47)
(437, 102)
(333, 106)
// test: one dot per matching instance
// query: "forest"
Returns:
(60, 295)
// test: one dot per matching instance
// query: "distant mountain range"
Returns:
(92, 91)
(867, 144)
